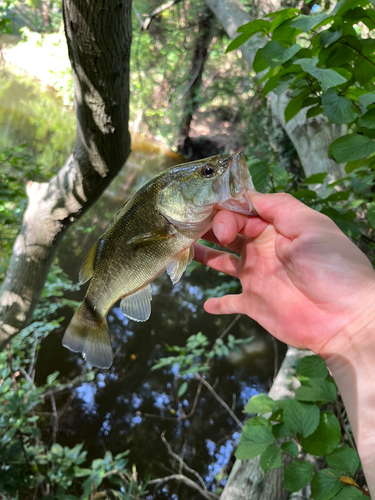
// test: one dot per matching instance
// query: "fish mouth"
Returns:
(239, 183)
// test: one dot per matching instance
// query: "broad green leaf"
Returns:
(240, 40)
(301, 418)
(306, 23)
(253, 441)
(371, 214)
(349, 493)
(274, 53)
(325, 438)
(312, 366)
(294, 106)
(338, 109)
(261, 403)
(327, 77)
(281, 430)
(280, 176)
(344, 5)
(325, 484)
(259, 63)
(256, 421)
(297, 475)
(328, 37)
(254, 27)
(303, 194)
(368, 119)
(351, 147)
(363, 71)
(260, 174)
(270, 458)
(291, 448)
(344, 459)
(284, 33)
(316, 110)
(317, 389)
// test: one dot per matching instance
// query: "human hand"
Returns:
(302, 279)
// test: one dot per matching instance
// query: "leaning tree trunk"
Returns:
(311, 137)
(99, 38)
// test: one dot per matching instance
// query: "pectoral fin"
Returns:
(177, 267)
(138, 305)
(159, 233)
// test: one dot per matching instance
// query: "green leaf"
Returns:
(316, 110)
(281, 430)
(301, 418)
(368, 119)
(284, 33)
(297, 475)
(327, 77)
(259, 63)
(338, 109)
(317, 389)
(329, 37)
(349, 493)
(280, 176)
(306, 23)
(305, 194)
(270, 458)
(291, 448)
(253, 441)
(183, 388)
(255, 27)
(343, 6)
(274, 53)
(351, 147)
(367, 99)
(312, 366)
(363, 71)
(325, 484)
(325, 438)
(293, 107)
(344, 459)
(260, 174)
(261, 403)
(239, 40)
(371, 214)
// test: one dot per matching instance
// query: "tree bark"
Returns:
(311, 137)
(99, 38)
(247, 481)
(198, 60)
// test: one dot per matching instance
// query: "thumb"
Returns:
(229, 304)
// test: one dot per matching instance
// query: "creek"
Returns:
(129, 406)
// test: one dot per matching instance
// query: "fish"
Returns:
(154, 232)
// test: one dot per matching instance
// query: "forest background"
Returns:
(298, 97)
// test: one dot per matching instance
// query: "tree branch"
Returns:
(99, 37)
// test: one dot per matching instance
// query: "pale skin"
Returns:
(307, 284)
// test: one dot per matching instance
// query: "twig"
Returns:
(158, 11)
(188, 482)
(218, 398)
(137, 15)
(11, 369)
(54, 419)
(181, 462)
(276, 357)
(345, 427)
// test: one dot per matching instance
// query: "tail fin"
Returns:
(87, 333)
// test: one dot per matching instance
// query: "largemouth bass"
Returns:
(153, 232)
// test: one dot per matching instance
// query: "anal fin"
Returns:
(138, 305)
(177, 267)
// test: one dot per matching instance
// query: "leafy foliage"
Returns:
(306, 427)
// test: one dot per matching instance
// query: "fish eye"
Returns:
(208, 170)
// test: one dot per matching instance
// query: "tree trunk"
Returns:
(199, 58)
(99, 38)
(247, 481)
(311, 137)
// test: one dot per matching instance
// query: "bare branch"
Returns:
(183, 479)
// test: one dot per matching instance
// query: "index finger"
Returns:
(288, 215)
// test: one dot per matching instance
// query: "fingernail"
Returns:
(219, 230)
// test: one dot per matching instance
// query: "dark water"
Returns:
(129, 406)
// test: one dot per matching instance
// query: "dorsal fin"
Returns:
(88, 264)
